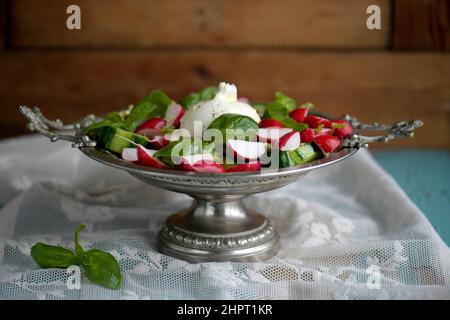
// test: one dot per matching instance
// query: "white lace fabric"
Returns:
(347, 232)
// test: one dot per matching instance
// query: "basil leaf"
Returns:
(278, 112)
(183, 147)
(115, 117)
(48, 256)
(260, 108)
(243, 127)
(307, 105)
(285, 101)
(154, 105)
(102, 268)
(206, 94)
(101, 124)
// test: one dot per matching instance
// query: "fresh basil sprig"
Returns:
(154, 105)
(99, 267)
(278, 112)
(285, 101)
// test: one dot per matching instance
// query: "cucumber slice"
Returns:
(115, 139)
(139, 139)
(304, 154)
(286, 159)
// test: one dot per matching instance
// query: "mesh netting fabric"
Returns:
(347, 232)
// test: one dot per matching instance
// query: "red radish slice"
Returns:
(208, 167)
(299, 114)
(324, 132)
(193, 159)
(129, 154)
(315, 121)
(173, 114)
(248, 150)
(152, 127)
(271, 134)
(290, 141)
(327, 144)
(244, 167)
(270, 123)
(307, 135)
(158, 142)
(145, 158)
(344, 131)
(201, 163)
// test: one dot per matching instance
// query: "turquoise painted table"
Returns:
(425, 177)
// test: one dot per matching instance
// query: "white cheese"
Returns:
(225, 101)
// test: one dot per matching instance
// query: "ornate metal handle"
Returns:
(39, 123)
(400, 129)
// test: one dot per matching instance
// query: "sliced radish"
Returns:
(208, 167)
(327, 144)
(324, 132)
(193, 159)
(176, 134)
(299, 114)
(290, 141)
(130, 154)
(201, 163)
(158, 142)
(270, 123)
(343, 129)
(145, 158)
(152, 127)
(271, 134)
(307, 135)
(248, 150)
(173, 114)
(315, 121)
(243, 167)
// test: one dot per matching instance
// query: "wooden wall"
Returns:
(314, 50)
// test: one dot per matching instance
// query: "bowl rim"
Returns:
(108, 158)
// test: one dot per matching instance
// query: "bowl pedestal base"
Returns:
(218, 228)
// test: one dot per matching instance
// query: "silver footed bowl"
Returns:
(217, 226)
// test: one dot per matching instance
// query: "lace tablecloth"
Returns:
(347, 232)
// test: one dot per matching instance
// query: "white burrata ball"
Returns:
(202, 114)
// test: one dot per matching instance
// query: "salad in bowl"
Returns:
(215, 131)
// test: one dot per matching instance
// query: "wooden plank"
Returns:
(422, 24)
(3, 27)
(382, 87)
(200, 23)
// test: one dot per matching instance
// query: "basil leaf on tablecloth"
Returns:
(99, 267)
(102, 268)
(48, 256)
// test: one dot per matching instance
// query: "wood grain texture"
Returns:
(3, 27)
(384, 87)
(422, 24)
(200, 23)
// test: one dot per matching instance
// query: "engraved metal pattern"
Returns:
(189, 239)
